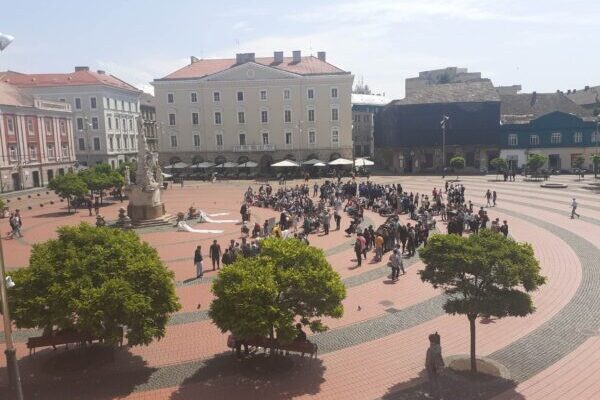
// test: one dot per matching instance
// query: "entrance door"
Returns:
(35, 175)
(554, 161)
(16, 181)
(50, 174)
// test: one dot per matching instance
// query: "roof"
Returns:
(11, 96)
(77, 78)
(369, 99)
(146, 99)
(463, 92)
(306, 66)
(586, 96)
(515, 108)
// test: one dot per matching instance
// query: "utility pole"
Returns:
(443, 124)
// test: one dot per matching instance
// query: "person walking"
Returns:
(215, 254)
(378, 247)
(198, 261)
(358, 251)
(97, 205)
(488, 197)
(90, 205)
(504, 228)
(574, 208)
(434, 364)
(315, 189)
(494, 198)
(326, 221)
(394, 264)
(338, 219)
(18, 223)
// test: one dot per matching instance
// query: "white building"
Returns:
(365, 108)
(104, 110)
(258, 109)
(37, 139)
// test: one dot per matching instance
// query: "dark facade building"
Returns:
(550, 124)
(148, 111)
(408, 135)
(365, 110)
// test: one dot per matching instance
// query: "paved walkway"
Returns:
(376, 352)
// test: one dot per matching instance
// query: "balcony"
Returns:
(245, 148)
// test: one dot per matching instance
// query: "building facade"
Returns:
(588, 98)
(104, 111)
(441, 76)
(409, 136)
(148, 111)
(259, 109)
(549, 124)
(36, 139)
(365, 109)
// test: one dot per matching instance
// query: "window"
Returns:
(241, 117)
(170, 98)
(555, 138)
(311, 115)
(310, 94)
(77, 103)
(334, 114)
(95, 123)
(366, 117)
(126, 106)
(62, 100)
(10, 122)
(335, 137)
(286, 94)
(171, 119)
(534, 140)
(173, 141)
(288, 138)
(111, 143)
(595, 137)
(196, 140)
(240, 96)
(134, 107)
(287, 116)
(577, 137)
(79, 124)
(64, 150)
(112, 103)
(81, 144)
(264, 116)
(312, 137)
(93, 102)
(62, 124)
(30, 130)
(216, 96)
(334, 93)
(217, 118)
(106, 102)
(131, 125)
(124, 125)
(120, 105)
(195, 118)
(219, 139)
(118, 143)
(512, 139)
(12, 150)
(33, 152)
(116, 123)
(194, 97)
(96, 144)
(242, 139)
(263, 95)
(265, 138)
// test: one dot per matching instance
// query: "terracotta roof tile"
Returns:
(68, 79)
(11, 96)
(307, 66)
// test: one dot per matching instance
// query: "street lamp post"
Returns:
(443, 123)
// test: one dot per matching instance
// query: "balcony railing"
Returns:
(253, 147)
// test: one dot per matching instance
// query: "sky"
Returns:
(543, 45)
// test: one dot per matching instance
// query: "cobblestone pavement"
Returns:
(376, 352)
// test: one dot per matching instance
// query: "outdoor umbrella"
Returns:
(340, 161)
(312, 162)
(286, 163)
(228, 164)
(179, 165)
(363, 162)
(319, 164)
(248, 164)
(204, 164)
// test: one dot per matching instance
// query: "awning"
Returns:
(228, 164)
(286, 163)
(341, 161)
(204, 164)
(248, 164)
(363, 162)
(312, 162)
(179, 165)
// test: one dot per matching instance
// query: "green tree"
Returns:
(535, 162)
(578, 162)
(95, 281)
(132, 168)
(499, 164)
(596, 162)
(102, 177)
(457, 163)
(265, 295)
(484, 274)
(67, 187)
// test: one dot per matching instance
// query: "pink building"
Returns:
(36, 139)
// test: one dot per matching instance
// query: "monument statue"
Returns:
(145, 200)
(127, 176)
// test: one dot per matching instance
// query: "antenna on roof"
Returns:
(237, 44)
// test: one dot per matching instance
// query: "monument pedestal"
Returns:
(146, 207)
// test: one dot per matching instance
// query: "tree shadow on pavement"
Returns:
(258, 377)
(455, 386)
(84, 373)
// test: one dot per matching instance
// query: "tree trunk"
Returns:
(68, 205)
(472, 319)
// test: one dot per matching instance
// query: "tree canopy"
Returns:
(500, 164)
(102, 177)
(596, 162)
(95, 281)
(266, 295)
(535, 162)
(68, 186)
(457, 162)
(484, 274)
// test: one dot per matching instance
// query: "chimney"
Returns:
(241, 58)
(321, 55)
(101, 72)
(77, 69)
(586, 88)
(250, 57)
(296, 56)
(533, 98)
(193, 59)
(278, 57)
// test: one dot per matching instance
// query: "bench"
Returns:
(65, 338)
(304, 347)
